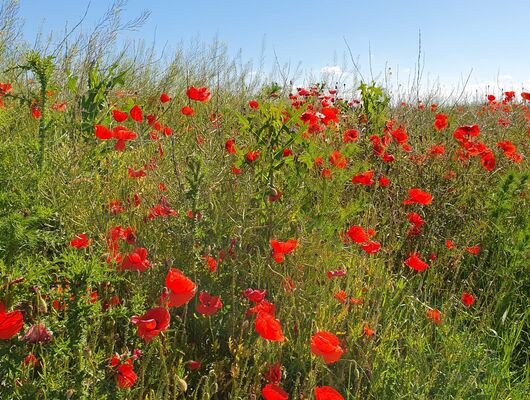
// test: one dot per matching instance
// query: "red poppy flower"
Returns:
(440, 122)
(338, 160)
(488, 160)
(212, 263)
(230, 146)
(326, 345)
(418, 196)
(136, 114)
(103, 133)
(126, 376)
(164, 98)
(268, 327)
(341, 296)
(350, 136)
(193, 365)
(36, 112)
(10, 323)
(136, 174)
(449, 244)
(255, 296)
(327, 393)
(383, 181)
(525, 96)
(329, 115)
(119, 116)
(468, 299)
(280, 249)
(367, 331)
(435, 315)
(274, 392)
(252, 155)
(181, 288)
(473, 249)
(416, 263)
(357, 234)
(253, 104)
(366, 178)
(371, 247)
(136, 261)
(152, 323)
(209, 305)
(201, 94)
(186, 110)
(80, 241)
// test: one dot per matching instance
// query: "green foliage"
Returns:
(374, 104)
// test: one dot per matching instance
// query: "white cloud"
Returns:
(331, 69)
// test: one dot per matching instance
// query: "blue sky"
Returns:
(490, 37)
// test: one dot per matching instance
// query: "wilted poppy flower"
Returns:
(274, 373)
(416, 263)
(201, 94)
(164, 98)
(418, 196)
(181, 289)
(80, 241)
(274, 392)
(467, 299)
(10, 323)
(30, 359)
(38, 334)
(126, 376)
(327, 393)
(209, 305)
(326, 345)
(268, 327)
(435, 315)
(152, 323)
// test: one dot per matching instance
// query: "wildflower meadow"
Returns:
(182, 231)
